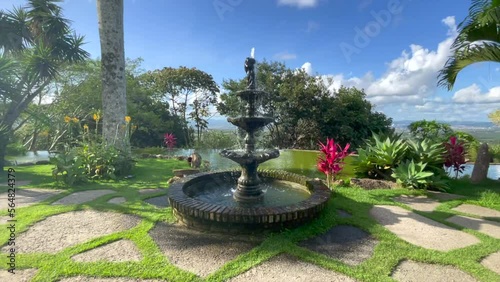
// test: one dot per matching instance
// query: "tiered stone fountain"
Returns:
(247, 200)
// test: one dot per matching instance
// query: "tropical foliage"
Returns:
(454, 156)
(35, 42)
(478, 40)
(331, 160)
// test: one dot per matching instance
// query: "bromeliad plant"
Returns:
(454, 157)
(169, 140)
(332, 159)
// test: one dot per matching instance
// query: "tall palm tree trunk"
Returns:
(114, 97)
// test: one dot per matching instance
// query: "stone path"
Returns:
(410, 271)
(119, 251)
(444, 196)
(492, 262)
(21, 275)
(117, 200)
(200, 253)
(478, 210)
(27, 197)
(114, 279)
(419, 203)
(150, 190)
(410, 227)
(487, 227)
(82, 197)
(60, 231)
(290, 269)
(348, 244)
(161, 202)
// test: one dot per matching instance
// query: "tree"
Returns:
(179, 86)
(35, 41)
(495, 117)
(478, 40)
(348, 117)
(304, 110)
(432, 130)
(114, 95)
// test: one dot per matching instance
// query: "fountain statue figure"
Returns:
(250, 70)
(248, 189)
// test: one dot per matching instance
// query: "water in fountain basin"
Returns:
(277, 193)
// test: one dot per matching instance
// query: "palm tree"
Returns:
(478, 40)
(35, 41)
(114, 96)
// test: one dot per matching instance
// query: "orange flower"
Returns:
(97, 117)
(75, 119)
(128, 119)
(67, 119)
(85, 127)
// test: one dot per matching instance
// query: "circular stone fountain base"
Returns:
(204, 202)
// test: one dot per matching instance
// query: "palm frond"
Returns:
(476, 54)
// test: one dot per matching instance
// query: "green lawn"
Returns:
(152, 173)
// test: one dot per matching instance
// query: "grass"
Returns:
(152, 173)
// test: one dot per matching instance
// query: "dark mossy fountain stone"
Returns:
(304, 199)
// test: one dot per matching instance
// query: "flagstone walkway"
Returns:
(203, 254)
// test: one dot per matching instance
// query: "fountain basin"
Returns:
(194, 209)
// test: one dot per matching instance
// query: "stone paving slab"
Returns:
(487, 227)
(114, 279)
(58, 232)
(492, 262)
(420, 230)
(119, 251)
(197, 252)
(410, 271)
(150, 190)
(27, 197)
(478, 210)
(419, 203)
(348, 244)
(21, 275)
(290, 269)
(444, 196)
(161, 202)
(117, 200)
(82, 197)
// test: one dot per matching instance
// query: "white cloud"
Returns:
(299, 3)
(285, 56)
(307, 67)
(473, 95)
(409, 78)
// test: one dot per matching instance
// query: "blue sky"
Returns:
(393, 49)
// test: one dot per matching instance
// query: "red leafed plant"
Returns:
(169, 140)
(455, 155)
(332, 159)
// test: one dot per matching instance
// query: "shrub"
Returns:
(69, 166)
(16, 149)
(412, 175)
(380, 156)
(215, 139)
(331, 160)
(454, 156)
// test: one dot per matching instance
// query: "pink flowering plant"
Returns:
(331, 160)
(454, 156)
(169, 140)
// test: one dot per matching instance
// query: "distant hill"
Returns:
(459, 125)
